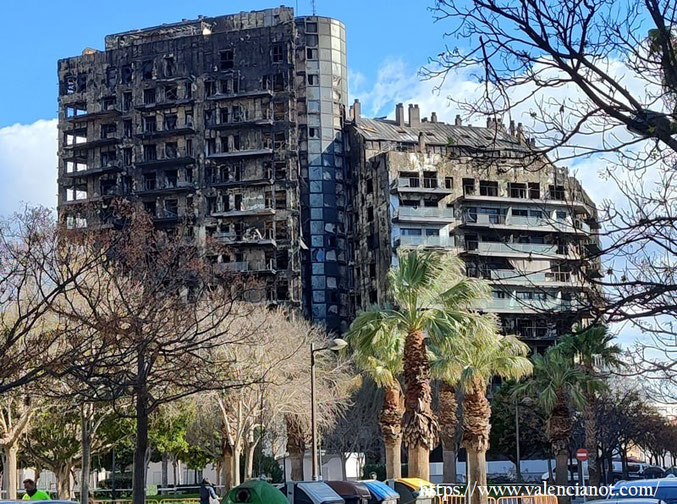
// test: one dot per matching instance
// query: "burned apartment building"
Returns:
(230, 125)
(516, 220)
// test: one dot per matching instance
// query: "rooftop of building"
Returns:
(493, 136)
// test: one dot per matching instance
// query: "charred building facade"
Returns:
(232, 125)
(486, 194)
(236, 128)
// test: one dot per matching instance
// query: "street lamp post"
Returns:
(336, 345)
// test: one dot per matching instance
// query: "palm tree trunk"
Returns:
(476, 429)
(420, 424)
(448, 415)
(477, 471)
(390, 422)
(559, 429)
(590, 419)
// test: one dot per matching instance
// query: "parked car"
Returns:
(664, 491)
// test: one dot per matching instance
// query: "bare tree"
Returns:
(16, 411)
(36, 271)
(596, 81)
(278, 377)
(153, 320)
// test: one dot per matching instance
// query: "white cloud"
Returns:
(28, 165)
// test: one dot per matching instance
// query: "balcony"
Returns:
(110, 167)
(414, 185)
(240, 124)
(424, 214)
(513, 305)
(251, 237)
(512, 249)
(241, 94)
(529, 223)
(406, 241)
(516, 277)
(167, 161)
(244, 212)
(245, 267)
(240, 153)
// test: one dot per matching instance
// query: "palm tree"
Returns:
(379, 355)
(558, 385)
(592, 348)
(430, 295)
(448, 418)
(473, 360)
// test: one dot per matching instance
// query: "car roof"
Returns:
(664, 482)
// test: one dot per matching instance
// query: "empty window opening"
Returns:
(149, 96)
(226, 59)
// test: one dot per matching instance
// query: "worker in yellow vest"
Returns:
(32, 492)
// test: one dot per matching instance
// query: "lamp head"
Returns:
(338, 344)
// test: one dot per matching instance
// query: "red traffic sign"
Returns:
(582, 454)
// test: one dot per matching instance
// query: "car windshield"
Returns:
(666, 493)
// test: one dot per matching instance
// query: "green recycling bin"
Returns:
(255, 492)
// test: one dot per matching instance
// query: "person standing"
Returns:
(207, 493)
(32, 492)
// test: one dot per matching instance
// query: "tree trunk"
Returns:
(390, 422)
(141, 448)
(227, 467)
(64, 482)
(448, 416)
(165, 471)
(237, 452)
(561, 471)
(420, 425)
(477, 474)
(86, 457)
(476, 429)
(590, 420)
(296, 445)
(11, 452)
(394, 459)
(249, 460)
(296, 461)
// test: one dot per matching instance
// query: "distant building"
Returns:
(486, 194)
(233, 123)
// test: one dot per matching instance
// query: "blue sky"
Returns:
(35, 34)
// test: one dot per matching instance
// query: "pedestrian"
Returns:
(32, 492)
(207, 493)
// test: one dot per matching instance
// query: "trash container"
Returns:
(255, 492)
(381, 493)
(353, 492)
(311, 492)
(414, 491)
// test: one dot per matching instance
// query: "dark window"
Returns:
(170, 121)
(517, 190)
(170, 66)
(278, 82)
(468, 186)
(127, 101)
(171, 93)
(149, 153)
(224, 115)
(488, 188)
(556, 192)
(280, 170)
(210, 88)
(313, 80)
(111, 76)
(108, 130)
(171, 150)
(149, 124)
(226, 59)
(311, 27)
(448, 182)
(534, 190)
(127, 156)
(126, 74)
(211, 146)
(108, 103)
(149, 96)
(108, 157)
(237, 113)
(370, 186)
(311, 54)
(278, 53)
(147, 69)
(209, 117)
(370, 214)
